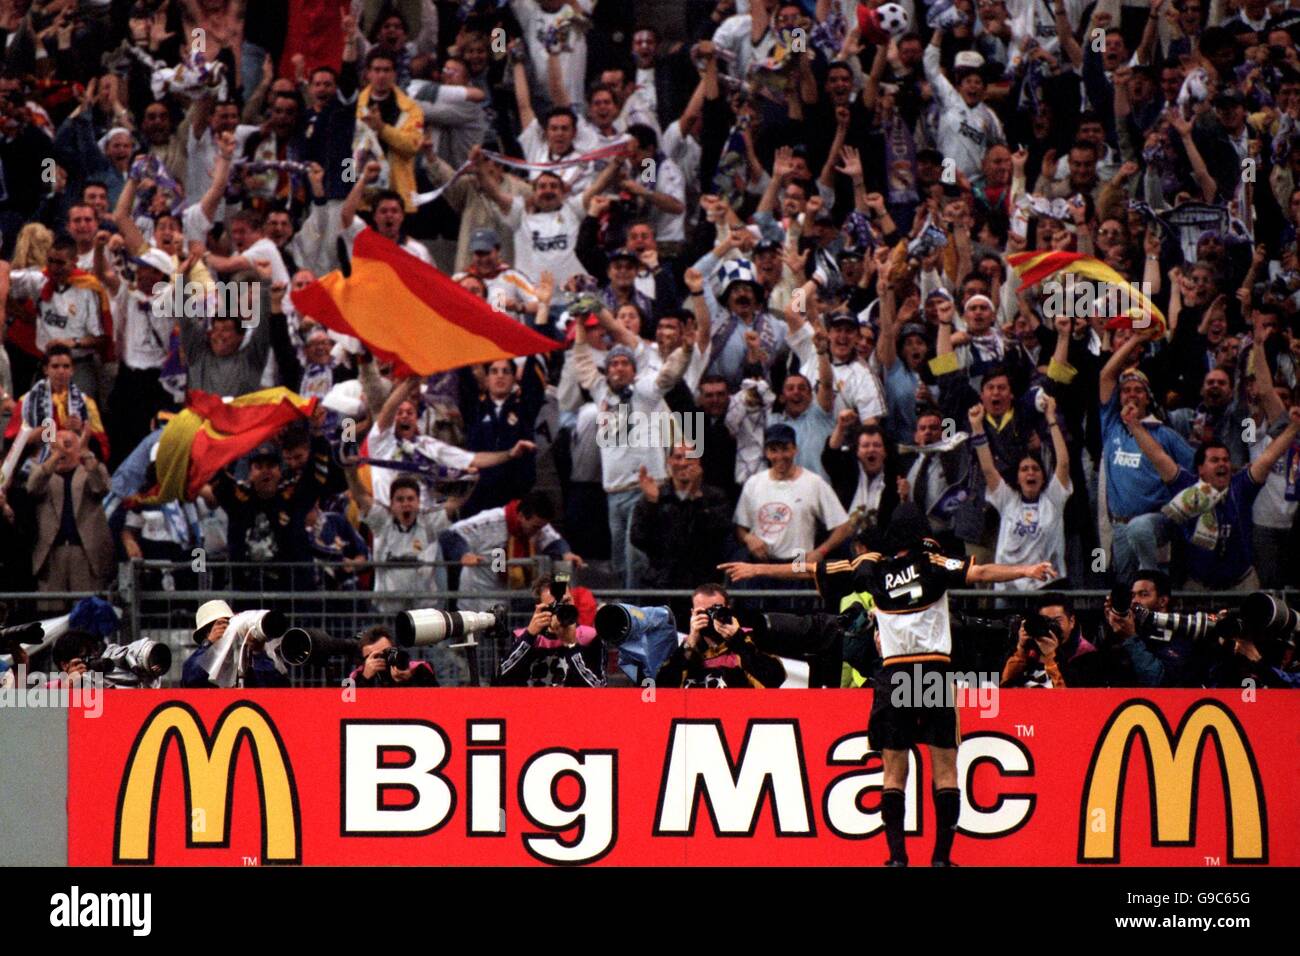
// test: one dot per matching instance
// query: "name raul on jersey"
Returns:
(903, 577)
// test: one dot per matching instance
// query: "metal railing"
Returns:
(167, 615)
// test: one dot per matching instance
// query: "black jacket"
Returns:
(685, 540)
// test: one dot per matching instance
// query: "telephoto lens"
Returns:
(430, 625)
(1121, 598)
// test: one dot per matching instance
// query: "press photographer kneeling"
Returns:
(718, 652)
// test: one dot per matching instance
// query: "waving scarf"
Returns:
(1197, 503)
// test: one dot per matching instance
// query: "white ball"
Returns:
(893, 19)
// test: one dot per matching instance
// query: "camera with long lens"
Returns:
(1195, 626)
(286, 645)
(141, 662)
(425, 626)
(12, 638)
(398, 658)
(644, 636)
(565, 614)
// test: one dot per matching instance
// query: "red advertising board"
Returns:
(626, 777)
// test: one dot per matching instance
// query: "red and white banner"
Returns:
(572, 777)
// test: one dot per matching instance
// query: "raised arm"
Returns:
(523, 98)
(1152, 450)
(211, 200)
(408, 388)
(1268, 397)
(363, 498)
(887, 340)
(1261, 466)
(1119, 359)
(1059, 448)
(980, 441)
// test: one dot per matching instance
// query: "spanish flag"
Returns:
(410, 313)
(1034, 267)
(211, 433)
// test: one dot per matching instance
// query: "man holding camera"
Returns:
(384, 664)
(1157, 657)
(718, 652)
(1051, 650)
(554, 650)
(210, 624)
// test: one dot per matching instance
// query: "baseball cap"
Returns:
(841, 318)
(624, 253)
(779, 434)
(911, 328)
(484, 240)
(968, 60)
(155, 258)
(768, 245)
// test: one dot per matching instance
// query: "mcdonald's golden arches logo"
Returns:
(1173, 777)
(209, 764)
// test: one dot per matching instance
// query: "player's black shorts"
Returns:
(913, 704)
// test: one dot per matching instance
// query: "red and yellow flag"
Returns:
(408, 312)
(211, 433)
(1034, 267)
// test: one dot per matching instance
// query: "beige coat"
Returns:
(88, 490)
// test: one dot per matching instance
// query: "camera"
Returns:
(398, 658)
(565, 614)
(718, 614)
(644, 636)
(290, 646)
(145, 661)
(1037, 627)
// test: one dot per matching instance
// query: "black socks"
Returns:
(947, 808)
(892, 805)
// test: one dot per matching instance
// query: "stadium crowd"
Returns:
(822, 242)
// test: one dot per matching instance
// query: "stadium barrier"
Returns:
(633, 777)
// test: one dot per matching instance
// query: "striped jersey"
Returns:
(910, 592)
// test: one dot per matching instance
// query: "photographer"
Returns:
(1158, 657)
(1051, 650)
(1254, 643)
(79, 653)
(718, 652)
(201, 670)
(387, 665)
(554, 650)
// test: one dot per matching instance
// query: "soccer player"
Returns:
(908, 582)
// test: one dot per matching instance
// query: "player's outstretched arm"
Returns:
(995, 573)
(743, 570)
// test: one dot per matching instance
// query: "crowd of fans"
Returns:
(793, 245)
